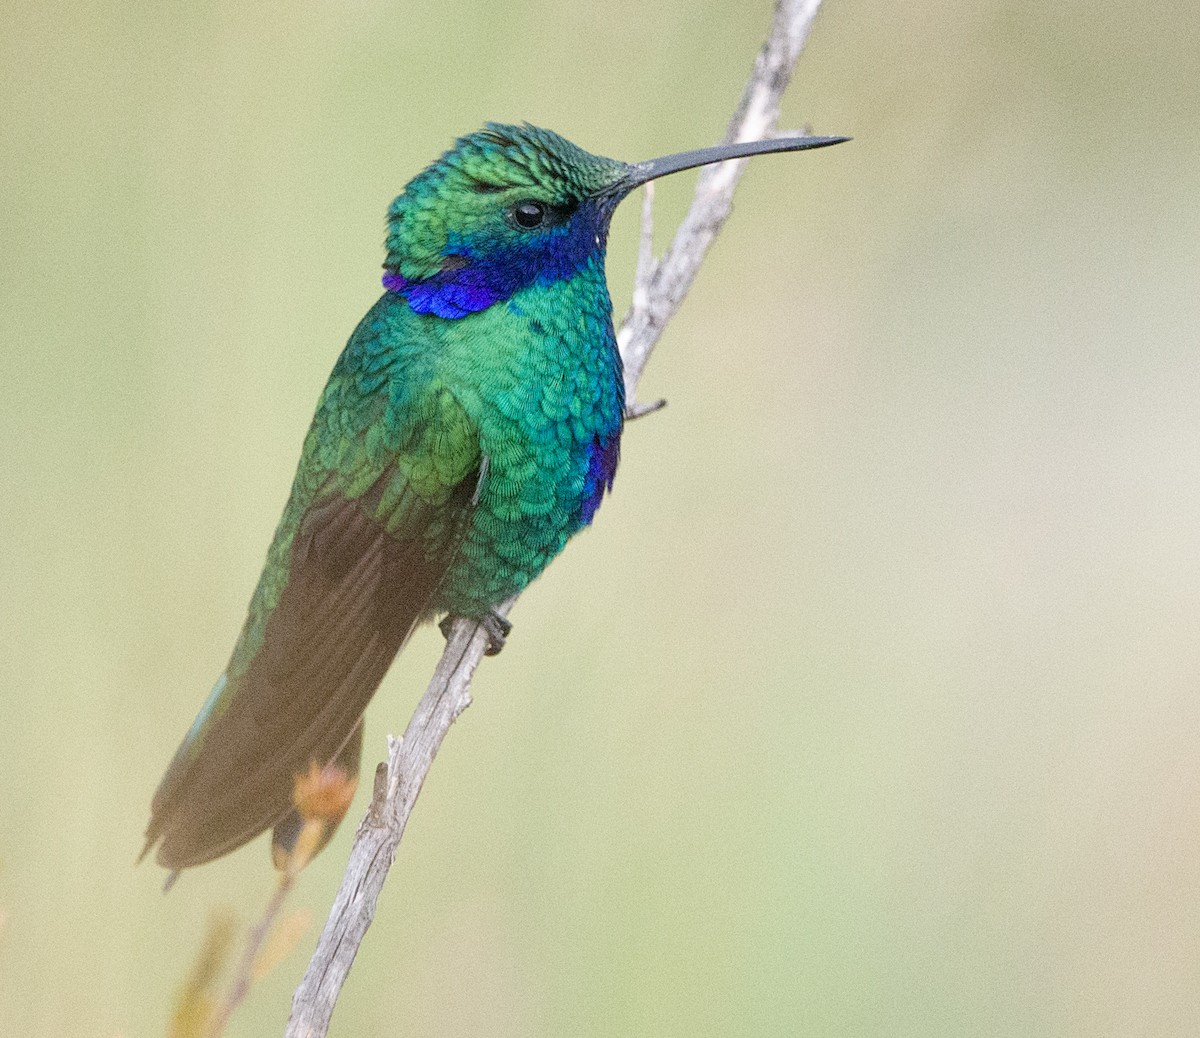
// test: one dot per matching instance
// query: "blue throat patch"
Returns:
(477, 275)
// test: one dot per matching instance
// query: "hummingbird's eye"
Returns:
(529, 214)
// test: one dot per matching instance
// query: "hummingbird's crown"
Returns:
(454, 211)
(502, 155)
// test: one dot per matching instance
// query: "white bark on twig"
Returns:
(755, 118)
(658, 293)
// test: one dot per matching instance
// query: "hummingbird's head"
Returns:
(512, 206)
(506, 207)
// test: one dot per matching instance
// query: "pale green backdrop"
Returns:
(871, 704)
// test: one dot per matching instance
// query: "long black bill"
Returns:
(652, 169)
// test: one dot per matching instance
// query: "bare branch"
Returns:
(647, 267)
(756, 117)
(380, 831)
(646, 263)
(660, 288)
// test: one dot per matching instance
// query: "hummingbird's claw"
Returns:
(495, 625)
(498, 629)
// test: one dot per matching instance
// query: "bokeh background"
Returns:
(871, 704)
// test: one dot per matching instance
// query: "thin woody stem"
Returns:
(647, 267)
(756, 117)
(243, 976)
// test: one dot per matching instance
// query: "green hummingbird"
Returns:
(470, 427)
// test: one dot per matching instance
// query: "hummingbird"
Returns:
(469, 429)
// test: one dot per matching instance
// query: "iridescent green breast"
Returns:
(540, 376)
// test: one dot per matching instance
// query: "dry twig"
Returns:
(321, 797)
(660, 288)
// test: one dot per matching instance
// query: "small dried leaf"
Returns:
(280, 944)
(197, 999)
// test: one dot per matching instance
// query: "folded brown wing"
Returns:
(353, 595)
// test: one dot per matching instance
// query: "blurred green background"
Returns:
(870, 704)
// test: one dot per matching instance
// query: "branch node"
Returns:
(635, 410)
(379, 790)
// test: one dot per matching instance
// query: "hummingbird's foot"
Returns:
(496, 627)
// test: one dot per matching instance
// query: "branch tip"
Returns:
(635, 410)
